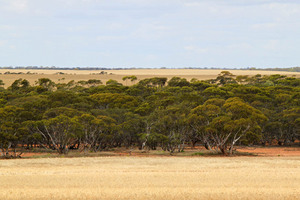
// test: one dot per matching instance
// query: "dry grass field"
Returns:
(151, 178)
(78, 75)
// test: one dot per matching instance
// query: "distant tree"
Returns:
(1, 83)
(177, 81)
(224, 77)
(93, 82)
(45, 84)
(131, 78)
(20, 84)
(242, 79)
(112, 82)
(154, 82)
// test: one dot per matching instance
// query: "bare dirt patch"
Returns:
(271, 151)
(197, 151)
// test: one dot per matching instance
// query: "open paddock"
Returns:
(131, 177)
(77, 75)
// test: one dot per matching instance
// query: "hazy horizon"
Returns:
(150, 34)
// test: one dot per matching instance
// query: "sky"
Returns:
(150, 33)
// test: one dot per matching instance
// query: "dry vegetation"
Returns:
(151, 178)
(77, 75)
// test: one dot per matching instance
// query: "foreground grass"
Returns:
(151, 178)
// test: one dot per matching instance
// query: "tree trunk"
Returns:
(194, 142)
(207, 146)
(231, 149)
(223, 150)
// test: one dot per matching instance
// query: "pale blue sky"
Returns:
(150, 33)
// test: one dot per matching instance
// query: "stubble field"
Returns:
(77, 75)
(151, 178)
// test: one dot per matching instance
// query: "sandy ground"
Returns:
(151, 178)
(77, 75)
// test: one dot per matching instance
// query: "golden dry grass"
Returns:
(77, 75)
(151, 178)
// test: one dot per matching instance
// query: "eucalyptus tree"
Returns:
(45, 84)
(112, 82)
(239, 120)
(96, 131)
(20, 86)
(177, 81)
(157, 82)
(60, 132)
(200, 118)
(223, 78)
(291, 124)
(222, 124)
(131, 78)
(171, 124)
(11, 132)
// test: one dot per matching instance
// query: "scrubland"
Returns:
(151, 178)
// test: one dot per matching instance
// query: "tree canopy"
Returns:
(154, 112)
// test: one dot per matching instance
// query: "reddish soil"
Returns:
(259, 151)
(271, 151)
(32, 154)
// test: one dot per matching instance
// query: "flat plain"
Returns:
(131, 177)
(77, 75)
(152, 177)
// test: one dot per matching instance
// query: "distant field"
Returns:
(77, 75)
(151, 178)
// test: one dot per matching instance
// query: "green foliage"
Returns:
(109, 100)
(20, 85)
(153, 82)
(88, 115)
(45, 84)
(112, 82)
(177, 81)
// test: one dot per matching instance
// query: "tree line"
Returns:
(152, 113)
(288, 69)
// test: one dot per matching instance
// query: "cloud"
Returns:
(18, 6)
(272, 45)
(260, 26)
(151, 31)
(168, 32)
(195, 49)
(2, 42)
(6, 27)
(107, 38)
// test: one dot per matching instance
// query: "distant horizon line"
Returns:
(297, 68)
